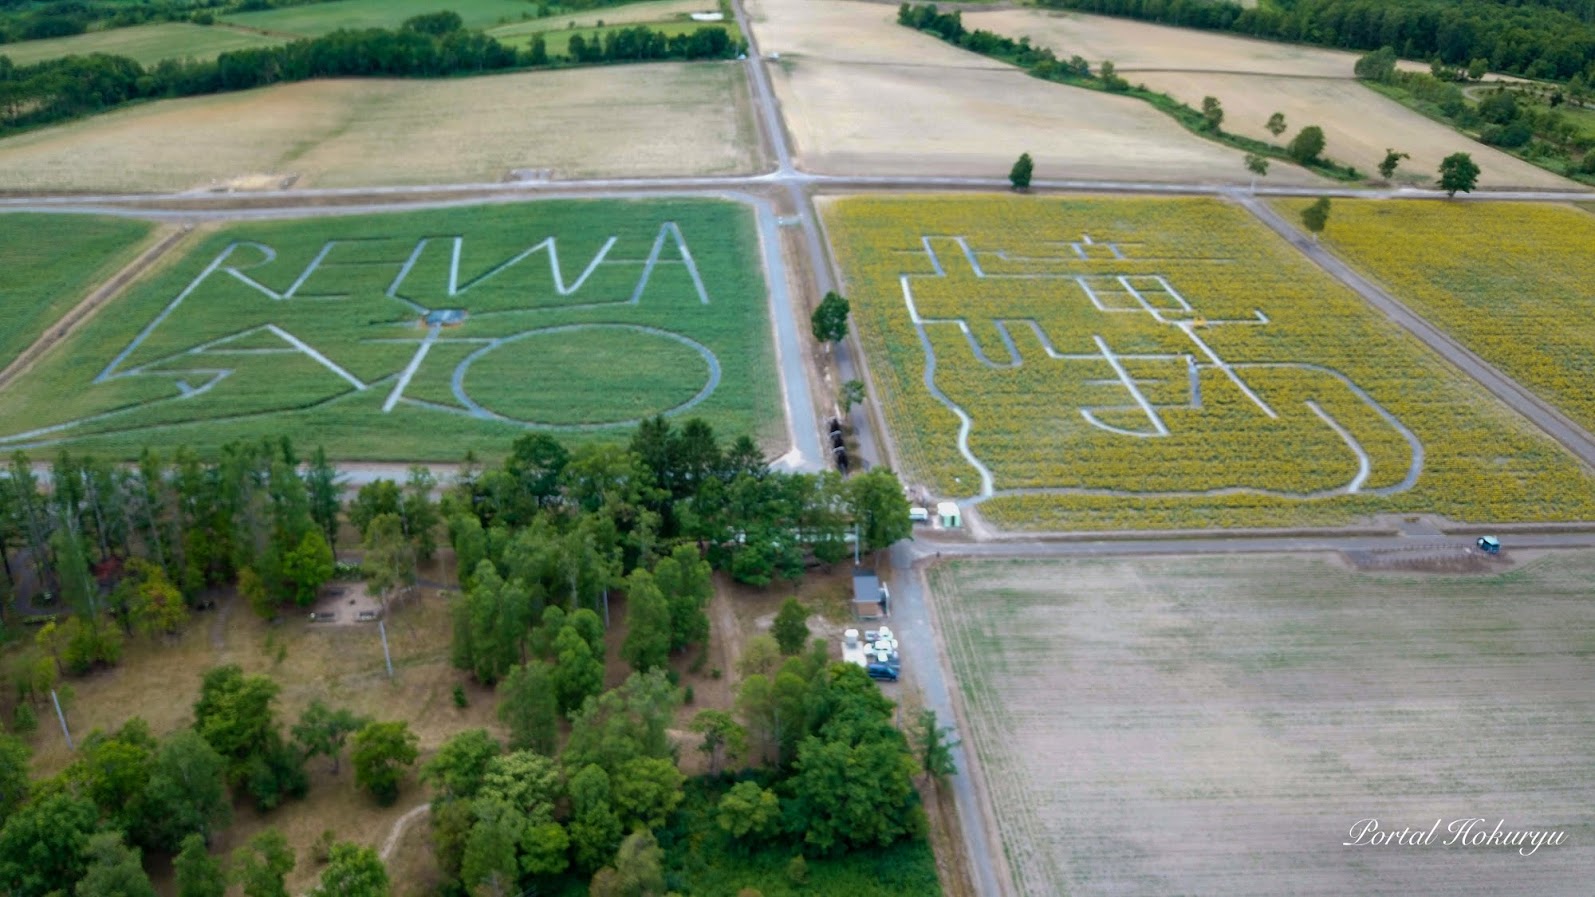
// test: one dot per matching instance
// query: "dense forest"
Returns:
(1553, 39)
(808, 762)
(432, 45)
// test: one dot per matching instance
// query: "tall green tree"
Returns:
(262, 865)
(389, 561)
(307, 567)
(934, 744)
(638, 870)
(1458, 172)
(460, 765)
(490, 867)
(829, 321)
(186, 793)
(421, 514)
(723, 737)
(354, 870)
(381, 751)
(1307, 145)
(1258, 166)
(749, 811)
(647, 644)
(1316, 216)
(577, 673)
(879, 507)
(595, 831)
(1276, 124)
(791, 627)
(323, 730)
(14, 756)
(42, 847)
(112, 869)
(629, 721)
(322, 487)
(529, 707)
(1212, 113)
(687, 581)
(198, 873)
(1019, 175)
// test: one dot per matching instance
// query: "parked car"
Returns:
(883, 671)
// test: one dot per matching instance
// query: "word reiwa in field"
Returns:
(422, 322)
(1134, 393)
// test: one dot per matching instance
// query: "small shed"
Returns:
(951, 517)
(869, 596)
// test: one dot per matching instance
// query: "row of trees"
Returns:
(1306, 148)
(1516, 118)
(82, 831)
(1535, 38)
(433, 45)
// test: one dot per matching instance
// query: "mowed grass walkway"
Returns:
(1217, 725)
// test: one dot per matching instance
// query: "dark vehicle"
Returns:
(1489, 545)
(882, 671)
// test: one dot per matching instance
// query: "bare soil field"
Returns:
(1219, 725)
(639, 120)
(862, 94)
(1242, 74)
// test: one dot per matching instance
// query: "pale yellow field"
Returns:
(1189, 65)
(665, 118)
(862, 94)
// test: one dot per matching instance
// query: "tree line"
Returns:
(1526, 120)
(428, 46)
(1552, 39)
(31, 20)
(1305, 149)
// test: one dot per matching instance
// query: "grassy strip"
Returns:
(1041, 62)
(1556, 165)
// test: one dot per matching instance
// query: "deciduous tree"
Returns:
(1276, 124)
(1307, 145)
(112, 869)
(1019, 175)
(353, 870)
(647, 644)
(381, 751)
(1458, 172)
(263, 864)
(186, 792)
(457, 769)
(723, 737)
(791, 627)
(529, 707)
(934, 744)
(1212, 113)
(1387, 168)
(42, 845)
(829, 321)
(198, 873)
(323, 730)
(1315, 216)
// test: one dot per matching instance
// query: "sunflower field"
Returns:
(1514, 282)
(1165, 363)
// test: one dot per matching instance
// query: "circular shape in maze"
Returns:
(583, 376)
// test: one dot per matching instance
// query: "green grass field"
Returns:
(48, 263)
(147, 44)
(309, 328)
(316, 19)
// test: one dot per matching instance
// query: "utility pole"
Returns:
(382, 627)
(62, 717)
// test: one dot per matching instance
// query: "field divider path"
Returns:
(91, 303)
(1553, 422)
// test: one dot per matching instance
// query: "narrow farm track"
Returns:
(1555, 424)
(399, 827)
(84, 310)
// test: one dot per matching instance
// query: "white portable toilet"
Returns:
(851, 636)
(949, 514)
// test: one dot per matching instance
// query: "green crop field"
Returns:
(1217, 725)
(49, 263)
(579, 318)
(148, 44)
(315, 19)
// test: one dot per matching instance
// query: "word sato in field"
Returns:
(1157, 391)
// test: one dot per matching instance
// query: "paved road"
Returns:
(1559, 426)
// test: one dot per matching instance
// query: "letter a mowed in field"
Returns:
(417, 336)
(1165, 363)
